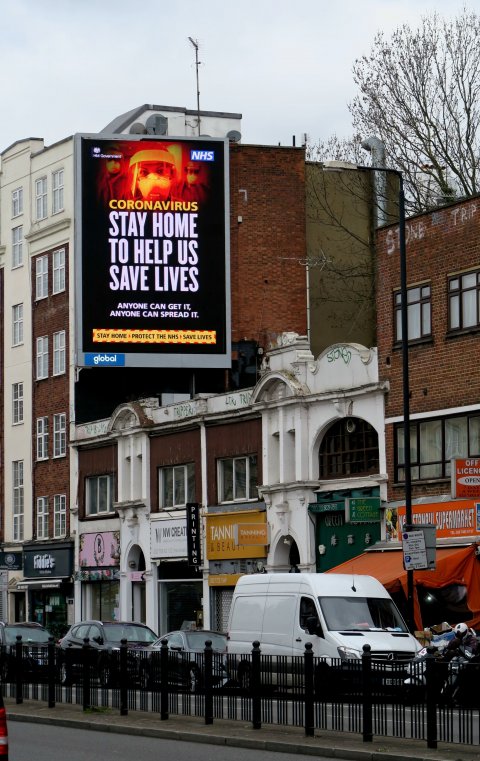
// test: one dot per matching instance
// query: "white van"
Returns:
(337, 613)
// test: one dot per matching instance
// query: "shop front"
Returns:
(235, 543)
(180, 587)
(47, 585)
(99, 574)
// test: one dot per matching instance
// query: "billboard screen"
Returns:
(153, 279)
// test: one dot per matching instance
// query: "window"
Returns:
(57, 191)
(59, 435)
(349, 448)
(238, 479)
(99, 495)
(463, 301)
(433, 443)
(177, 485)
(59, 270)
(419, 313)
(18, 504)
(41, 277)
(59, 352)
(17, 403)
(17, 324)
(17, 246)
(17, 202)
(42, 357)
(42, 438)
(59, 515)
(41, 198)
(42, 518)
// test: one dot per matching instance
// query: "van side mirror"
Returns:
(313, 626)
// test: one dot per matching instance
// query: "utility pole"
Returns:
(195, 45)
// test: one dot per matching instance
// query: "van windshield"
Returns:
(361, 614)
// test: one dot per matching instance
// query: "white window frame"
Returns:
(59, 434)
(17, 202)
(17, 403)
(59, 354)
(17, 246)
(59, 270)
(94, 486)
(18, 500)
(41, 277)
(43, 435)
(42, 357)
(42, 517)
(59, 515)
(236, 462)
(17, 324)
(168, 477)
(41, 199)
(58, 191)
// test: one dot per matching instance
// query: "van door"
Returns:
(306, 611)
(278, 624)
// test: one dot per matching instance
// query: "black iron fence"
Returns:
(428, 700)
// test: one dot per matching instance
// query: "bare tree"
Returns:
(420, 94)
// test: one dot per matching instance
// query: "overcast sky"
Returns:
(73, 65)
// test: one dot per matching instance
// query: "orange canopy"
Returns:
(455, 565)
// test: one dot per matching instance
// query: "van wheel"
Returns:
(245, 677)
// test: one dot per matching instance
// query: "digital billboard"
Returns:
(152, 251)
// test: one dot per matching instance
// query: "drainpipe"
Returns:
(377, 149)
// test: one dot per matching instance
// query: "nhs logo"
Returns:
(105, 360)
(196, 155)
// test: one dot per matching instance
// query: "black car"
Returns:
(185, 660)
(104, 638)
(34, 641)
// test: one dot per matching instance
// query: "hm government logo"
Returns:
(196, 155)
(104, 360)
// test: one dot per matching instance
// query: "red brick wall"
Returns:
(50, 396)
(267, 190)
(97, 461)
(232, 440)
(177, 448)
(443, 371)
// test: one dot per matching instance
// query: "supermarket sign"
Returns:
(452, 519)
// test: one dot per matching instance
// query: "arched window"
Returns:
(349, 448)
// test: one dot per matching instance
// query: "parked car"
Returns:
(34, 649)
(185, 660)
(104, 638)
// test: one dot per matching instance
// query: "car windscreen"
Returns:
(38, 636)
(130, 632)
(196, 640)
(361, 614)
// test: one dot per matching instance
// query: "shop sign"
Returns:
(41, 562)
(168, 538)
(451, 519)
(194, 535)
(251, 534)
(222, 532)
(326, 507)
(11, 561)
(99, 549)
(363, 509)
(223, 579)
(466, 477)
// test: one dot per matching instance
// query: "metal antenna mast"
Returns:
(195, 45)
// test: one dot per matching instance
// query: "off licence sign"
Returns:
(466, 477)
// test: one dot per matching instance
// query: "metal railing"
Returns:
(365, 696)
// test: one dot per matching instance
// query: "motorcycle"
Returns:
(415, 684)
(461, 685)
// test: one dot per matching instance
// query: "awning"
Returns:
(455, 565)
(40, 584)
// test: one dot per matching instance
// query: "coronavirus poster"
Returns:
(153, 269)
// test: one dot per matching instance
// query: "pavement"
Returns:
(342, 745)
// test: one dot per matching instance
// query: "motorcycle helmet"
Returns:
(460, 630)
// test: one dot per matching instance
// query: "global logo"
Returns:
(104, 360)
(196, 155)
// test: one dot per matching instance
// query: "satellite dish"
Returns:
(234, 136)
(156, 124)
(137, 128)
